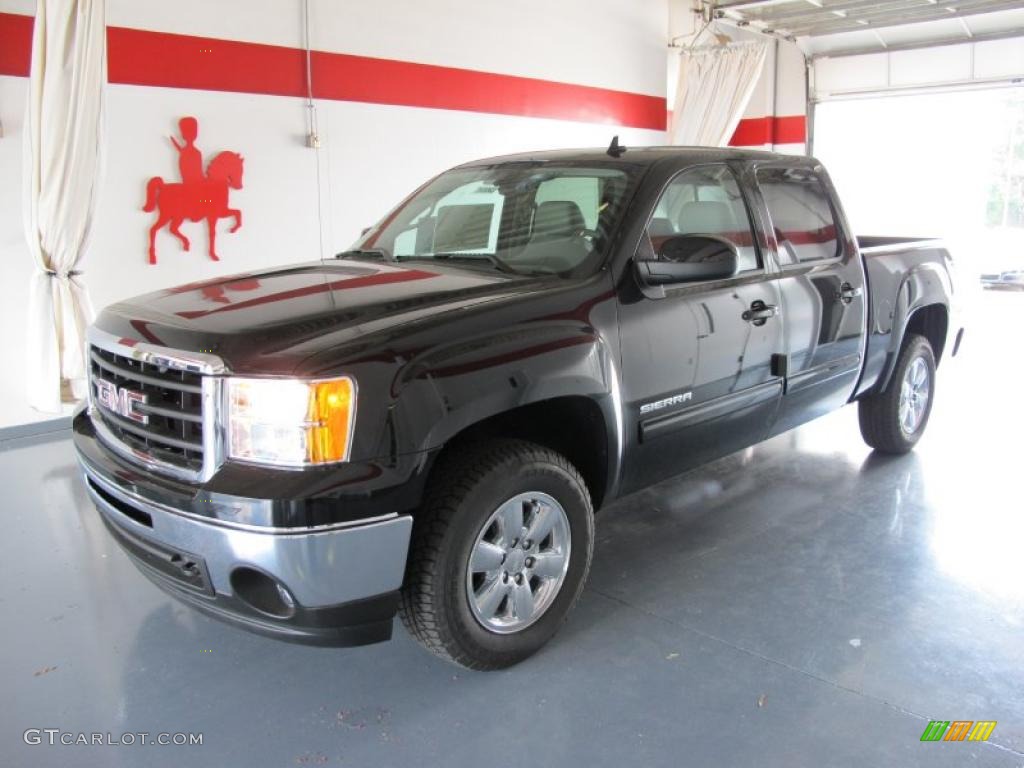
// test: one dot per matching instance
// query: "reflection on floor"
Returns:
(802, 603)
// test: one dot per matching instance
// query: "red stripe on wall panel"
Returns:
(385, 81)
(758, 131)
(791, 129)
(141, 57)
(15, 44)
(144, 57)
(752, 132)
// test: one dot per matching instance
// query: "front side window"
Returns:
(705, 201)
(801, 216)
(527, 218)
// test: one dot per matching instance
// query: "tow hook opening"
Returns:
(262, 592)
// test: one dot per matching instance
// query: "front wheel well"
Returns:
(572, 426)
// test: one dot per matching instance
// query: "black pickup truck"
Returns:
(426, 424)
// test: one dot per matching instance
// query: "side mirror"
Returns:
(688, 259)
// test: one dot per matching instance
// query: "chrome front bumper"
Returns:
(321, 568)
(338, 583)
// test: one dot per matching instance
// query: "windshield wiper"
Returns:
(367, 253)
(493, 260)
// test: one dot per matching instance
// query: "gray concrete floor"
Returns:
(801, 603)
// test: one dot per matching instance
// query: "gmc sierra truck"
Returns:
(426, 424)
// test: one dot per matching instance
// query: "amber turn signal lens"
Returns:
(331, 407)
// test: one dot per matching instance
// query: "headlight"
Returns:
(291, 422)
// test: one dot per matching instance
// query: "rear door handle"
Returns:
(847, 293)
(759, 312)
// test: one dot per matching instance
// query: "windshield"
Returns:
(527, 218)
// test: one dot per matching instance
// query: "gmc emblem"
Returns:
(120, 400)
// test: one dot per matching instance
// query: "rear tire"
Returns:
(894, 420)
(489, 614)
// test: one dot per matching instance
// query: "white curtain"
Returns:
(715, 84)
(63, 128)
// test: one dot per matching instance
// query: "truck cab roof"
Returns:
(640, 156)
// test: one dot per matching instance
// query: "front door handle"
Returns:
(847, 293)
(759, 312)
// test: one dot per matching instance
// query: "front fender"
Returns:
(476, 378)
(425, 382)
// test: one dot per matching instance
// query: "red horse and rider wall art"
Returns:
(199, 195)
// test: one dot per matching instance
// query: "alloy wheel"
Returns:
(914, 393)
(518, 562)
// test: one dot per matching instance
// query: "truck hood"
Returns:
(269, 322)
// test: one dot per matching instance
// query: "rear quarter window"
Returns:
(801, 214)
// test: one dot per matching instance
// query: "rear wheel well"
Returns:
(573, 426)
(932, 322)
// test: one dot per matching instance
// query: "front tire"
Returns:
(499, 554)
(894, 420)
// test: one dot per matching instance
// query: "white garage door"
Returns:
(929, 142)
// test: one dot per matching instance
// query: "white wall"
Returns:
(15, 265)
(371, 155)
(781, 92)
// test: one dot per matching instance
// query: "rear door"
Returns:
(822, 289)
(696, 362)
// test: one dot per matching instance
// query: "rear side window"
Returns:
(705, 200)
(800, 213)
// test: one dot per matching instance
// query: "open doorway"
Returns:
(940, 164)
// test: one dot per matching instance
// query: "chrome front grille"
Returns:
(173, 407)
(170, 425)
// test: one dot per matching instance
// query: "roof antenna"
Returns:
(615, 149)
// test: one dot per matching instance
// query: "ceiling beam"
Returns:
(854, 6)
(944, 9)
(801, 18)
(753, 28)
(730, 5)
(887, 19)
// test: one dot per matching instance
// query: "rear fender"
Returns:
(924, 285)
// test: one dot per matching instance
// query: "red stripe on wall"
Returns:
(143, 57)
(758, 131)
(15, 44)
(385, 81)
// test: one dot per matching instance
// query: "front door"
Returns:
(697, 363)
